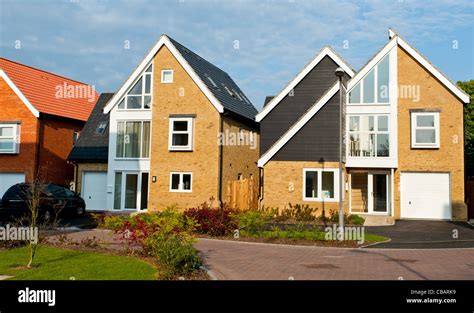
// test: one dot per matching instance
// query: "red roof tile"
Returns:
(50, 93)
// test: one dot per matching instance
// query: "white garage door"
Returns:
(425, 195)
(9, 179)
(94, 190)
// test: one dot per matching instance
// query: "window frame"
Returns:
(15, 137)
(143, 94)
(374, 132)
(189, 132)
(141, 141)
(163, 81)
(320, 171)
(180, 184)
(414, 128)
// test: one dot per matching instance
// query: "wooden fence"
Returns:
(242, 194)
(470, 197)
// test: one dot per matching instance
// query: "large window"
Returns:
(369, 136)
(139, 96)
(8, 138)
(320, 184)
(374, 87)
(181, 182)
(425, 130)
(133, 139)
(181, 134)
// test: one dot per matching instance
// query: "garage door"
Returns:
(9, 179)
(425, 196)
(94, 190)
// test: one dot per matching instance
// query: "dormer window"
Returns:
(139, 96)
(101, 128)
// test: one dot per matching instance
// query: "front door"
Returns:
(378, 188)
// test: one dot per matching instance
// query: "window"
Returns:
(181, 182)
(139, 96)
(374, 87)
(320, 184)
(133, 139)
(369, 136)
(425, 130)
(101, 128)
(9, 139)
(75, 136)
(181, 134)
(167, 76)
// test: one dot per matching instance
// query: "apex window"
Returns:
(139, 96)
(425, 130)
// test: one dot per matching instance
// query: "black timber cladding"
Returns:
(291, 108)
(92, 146)
(318, 139)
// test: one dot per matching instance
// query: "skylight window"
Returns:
(238, 96)
(228, 90)
(211, 80)
(101, 128)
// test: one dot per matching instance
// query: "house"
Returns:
(90, 157)
(404, 140)
(41, 116)
(180, 128)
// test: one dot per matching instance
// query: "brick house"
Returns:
(404, 153)
(179, 129)
(40, 118)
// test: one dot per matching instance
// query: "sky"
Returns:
(262, 44)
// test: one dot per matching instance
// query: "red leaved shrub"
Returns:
(212, 221)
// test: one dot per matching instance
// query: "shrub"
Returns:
(297, 212)
(213, 221)
(348, 219)
(253, 219)
(356, 220)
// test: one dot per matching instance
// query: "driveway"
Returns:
(258, 261)
(411, 234)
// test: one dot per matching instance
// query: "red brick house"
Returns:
(41, 116)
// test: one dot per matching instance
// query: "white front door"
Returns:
(370, 192)
(94, 190)
(9, 179)
(131, 190)
(425, 196)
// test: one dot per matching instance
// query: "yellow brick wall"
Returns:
(278, 175)
(87, 167)
(240, 158)
(449, 157)
(183, 96)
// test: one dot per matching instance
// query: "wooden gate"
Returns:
(242, 194)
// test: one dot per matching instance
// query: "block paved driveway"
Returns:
(257, 261)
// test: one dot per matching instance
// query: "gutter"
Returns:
(221, 157)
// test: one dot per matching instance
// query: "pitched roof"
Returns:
(216, 84)
(91, 145)
(40, 89)
(267, 100)
(219, 82)
(326, 51)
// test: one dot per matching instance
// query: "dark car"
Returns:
(54, 201)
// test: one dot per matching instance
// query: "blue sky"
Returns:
(84, 40)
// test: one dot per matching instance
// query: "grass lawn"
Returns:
(62, 264)
(304, 235)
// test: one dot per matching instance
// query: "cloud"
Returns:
(85, 39)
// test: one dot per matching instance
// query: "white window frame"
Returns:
(189, 132)
(320, 171)
(139, 190)
(143, 93)
(180, 185)
(414, 128)
(163, 81)
(141, 141)
(15, 137)
(375, 132)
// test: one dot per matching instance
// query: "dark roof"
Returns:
(236, 103)
(92, 146)
(267, 99)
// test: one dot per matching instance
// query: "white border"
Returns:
(319, 172)
(326, 51)
(19, 93)
(181, 182)
(190, 132)
(163, 81)
(414, 127)
(163, 41)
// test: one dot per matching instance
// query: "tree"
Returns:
(468, 87)
(34, 195)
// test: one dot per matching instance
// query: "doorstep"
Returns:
(378, 220)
